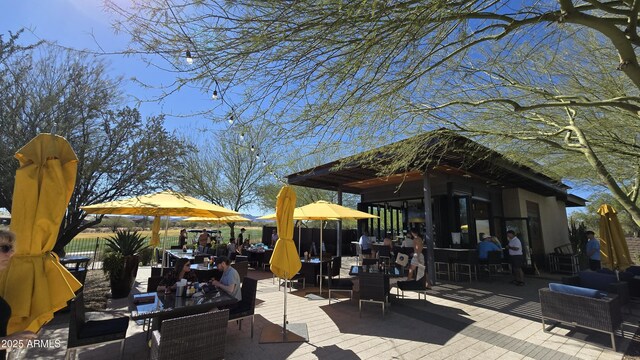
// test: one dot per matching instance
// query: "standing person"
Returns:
(182, 240)
(230, 280)
(274, 238)
(516, 256)
(365, 244)
(496, 241)
(418, 261)
(203, 235)
(7, 241)
(240, 237)
(593, 251)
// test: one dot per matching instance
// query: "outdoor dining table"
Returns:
(162, 306)
(311, 268)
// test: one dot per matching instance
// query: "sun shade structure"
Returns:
(223, 219)
(613, 245)
(165, 203)
(35, 284)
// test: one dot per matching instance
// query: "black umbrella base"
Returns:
(273, 334)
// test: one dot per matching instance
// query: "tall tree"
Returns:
(225, 171)
(347, 71)
(119, 153)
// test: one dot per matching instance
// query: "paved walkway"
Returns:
(488, 319)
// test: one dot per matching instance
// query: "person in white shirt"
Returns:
(408, 241)
(365, 244)
(517, 257)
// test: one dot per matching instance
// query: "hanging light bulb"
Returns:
(215, 95)
(253, 148)
(257, 155)
(264, 162)
(189, 58)
(241, 136)
(230, 120)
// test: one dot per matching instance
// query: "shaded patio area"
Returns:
(459, 320)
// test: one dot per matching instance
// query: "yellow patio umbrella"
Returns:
(165, 203)
(613, 245)
(324, 210)
(35, 284)
(222, 219)
(297, 215)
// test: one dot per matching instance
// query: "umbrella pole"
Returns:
(300, 252)
(284, 319)
(320, 257)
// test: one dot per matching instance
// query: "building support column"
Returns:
(428, 225)
(339, 228)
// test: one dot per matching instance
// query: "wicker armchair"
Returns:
(201, 336)
(596, 314)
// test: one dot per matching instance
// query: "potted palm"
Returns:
(120, 262)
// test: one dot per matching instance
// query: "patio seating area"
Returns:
(483, 319)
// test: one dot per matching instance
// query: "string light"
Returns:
(264, 162)
(215, 95)
(189, 58)
(253, 148)
(241, 136)
(230, 120)
(257, 155)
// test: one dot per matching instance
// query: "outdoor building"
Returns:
(472, 191)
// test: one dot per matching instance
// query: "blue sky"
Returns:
(83, 24)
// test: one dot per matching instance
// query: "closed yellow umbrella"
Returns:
(285, 261)
(35, 284)
(155, 232)
(613, 245)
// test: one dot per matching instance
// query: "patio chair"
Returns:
(466, 264)
(333, 270)
(374, 287)
(200, 336)
(341, 285)
(241, 258)
(492, 263)
(384, 254)
(242, 268)
(84, 333)
(266, 259)
(358, 252)
(247, 306)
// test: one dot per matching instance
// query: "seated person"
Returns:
(408, 241)
(181, 271)
(246, 244)
(230, 280)
(485, 246)
(203, 246)
(232, 249)
(387, 242)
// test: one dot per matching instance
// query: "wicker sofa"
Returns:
(601, 314)
(600, 281)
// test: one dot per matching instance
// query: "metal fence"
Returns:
(94, 248)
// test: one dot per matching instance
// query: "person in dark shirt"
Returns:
(182, 240)
(181, 271)
(18, 339)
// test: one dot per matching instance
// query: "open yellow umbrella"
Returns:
(165, 203)
(35, 284)
(324, 210)
(222, 219)
(613, 245)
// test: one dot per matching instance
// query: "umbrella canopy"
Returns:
(35, 284)
(613, 245)
(285, 261)
(165, 203)
(223, 219)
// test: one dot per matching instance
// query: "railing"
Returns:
(94, 248)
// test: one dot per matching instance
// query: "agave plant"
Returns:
(126, 242)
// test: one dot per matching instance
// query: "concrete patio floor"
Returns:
(487, 319)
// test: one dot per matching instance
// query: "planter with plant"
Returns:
(120, 262)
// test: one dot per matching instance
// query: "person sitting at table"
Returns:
(388, 242)
(274, 238)
(181, 271)
(246, 244)
(485, 246)
(203, 246)
(418, 259)
(495, 240)
(230, 280)
(232, 249)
